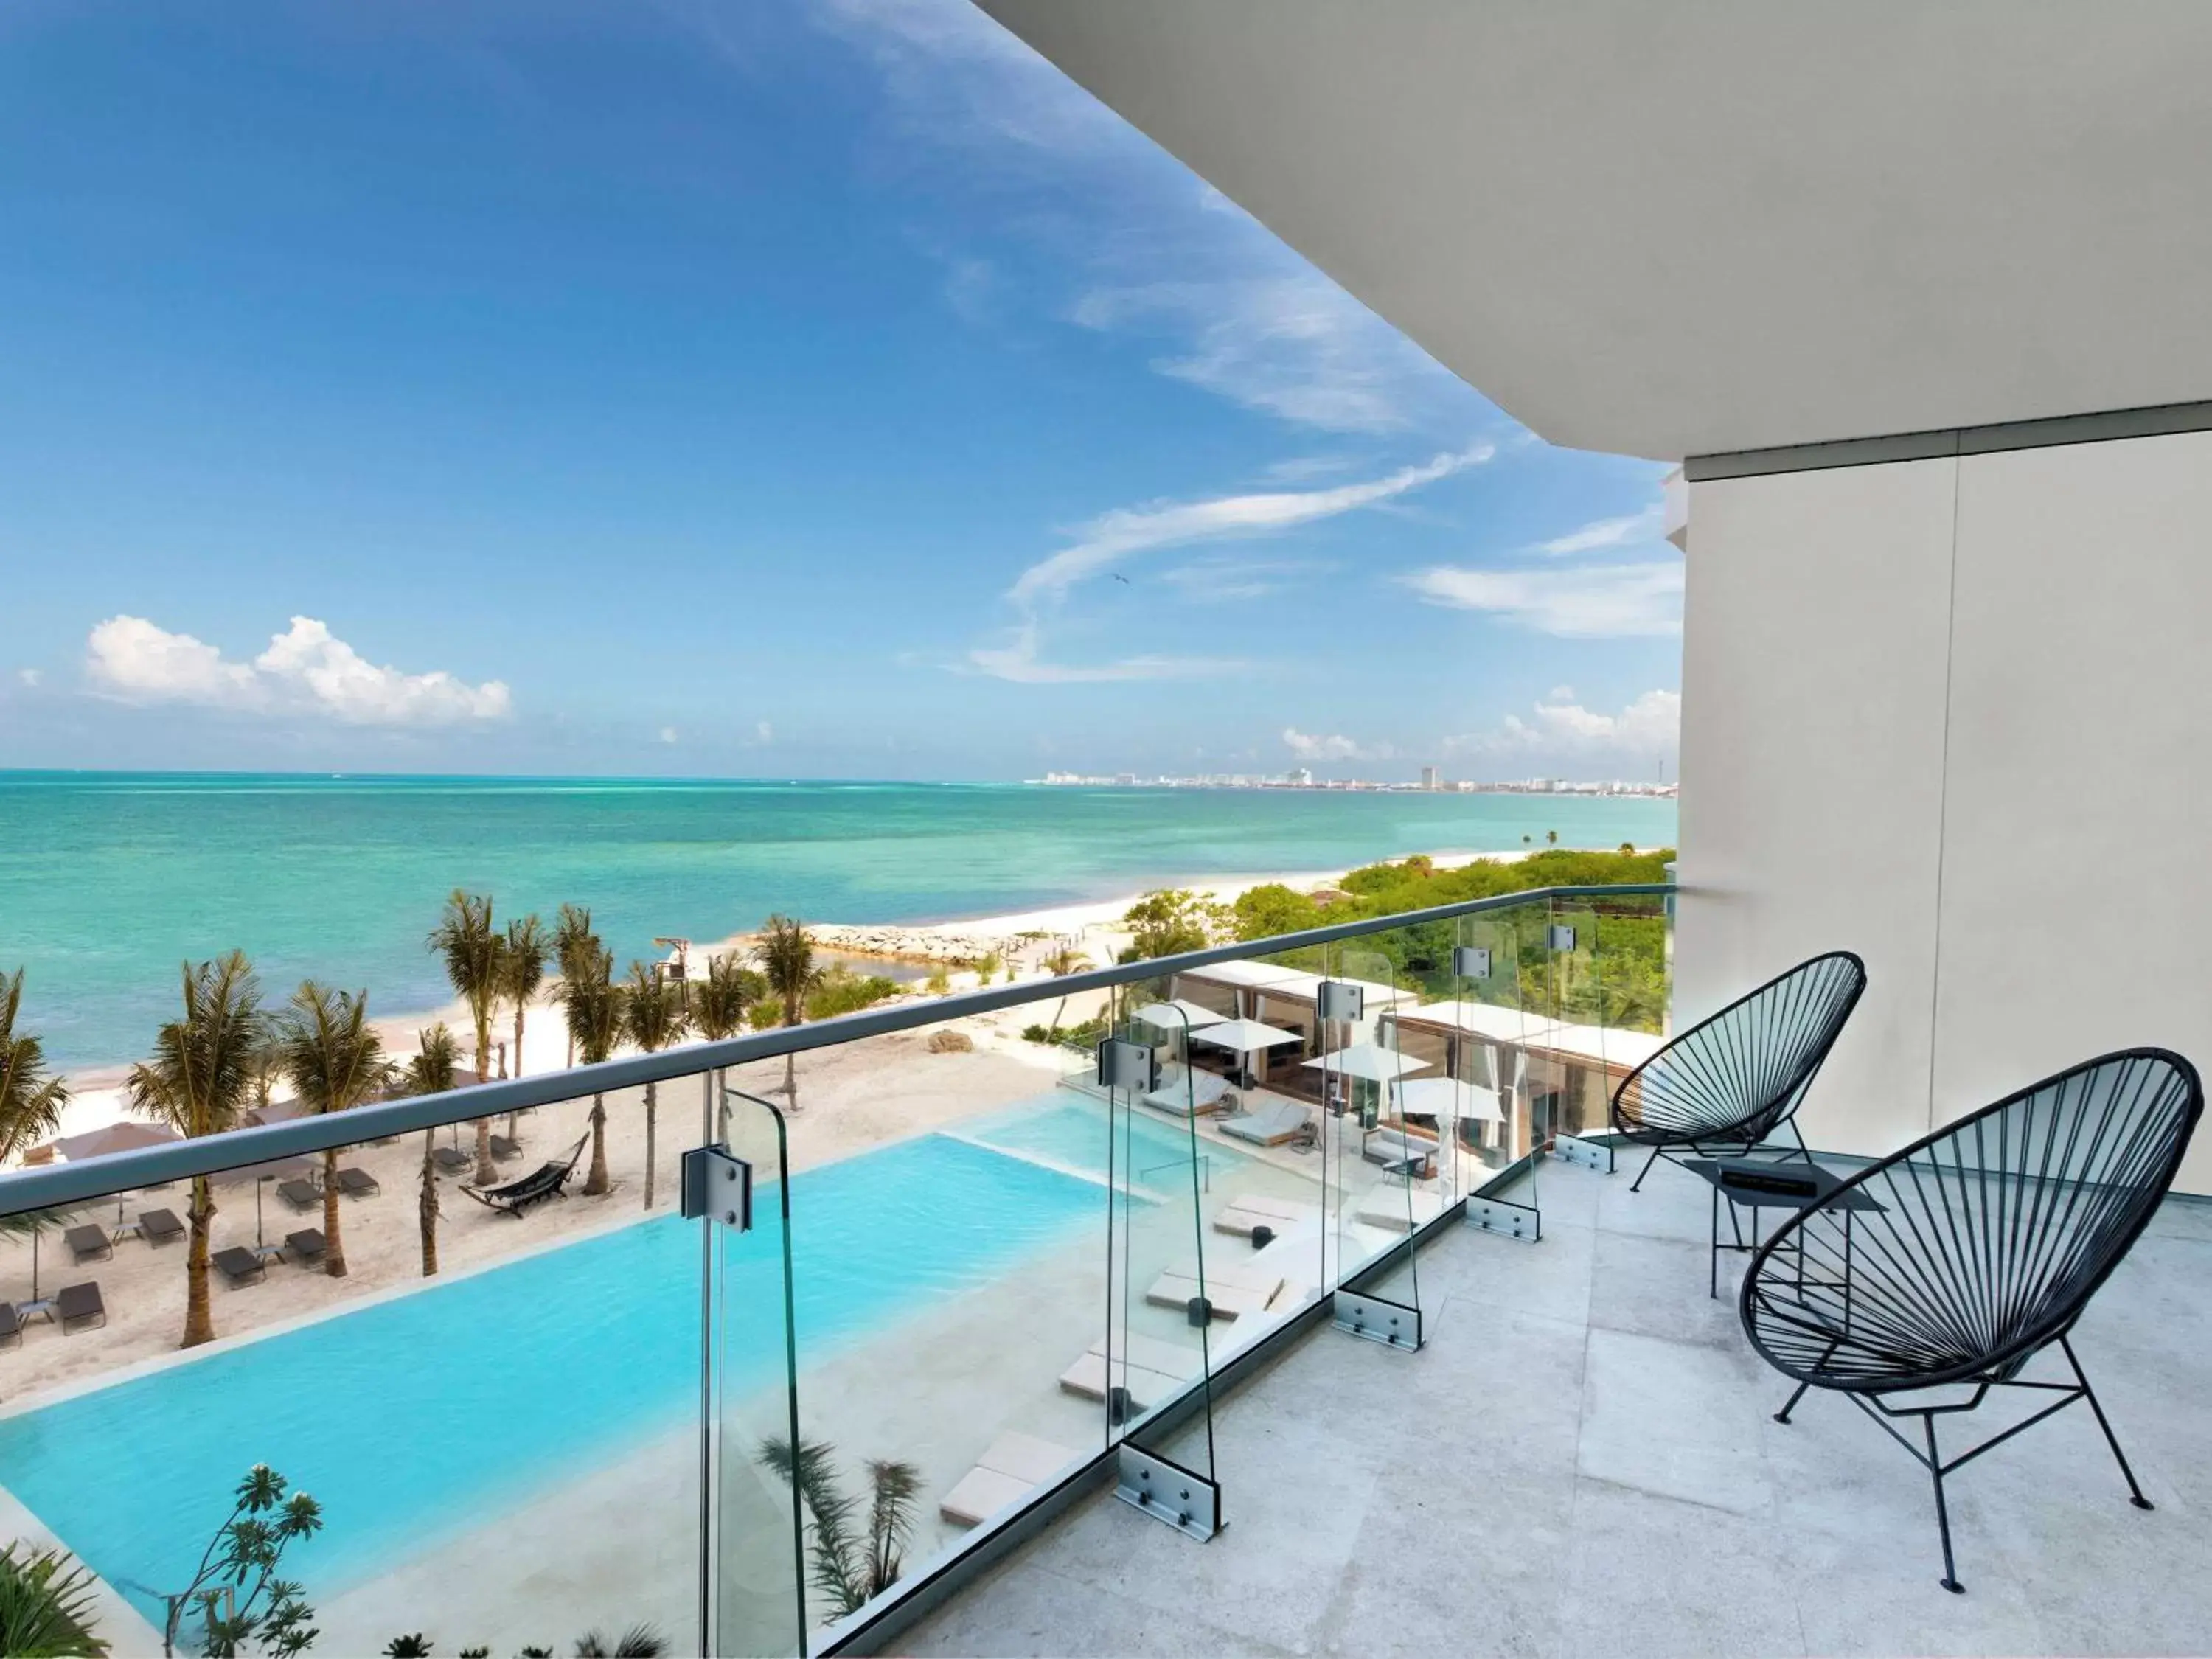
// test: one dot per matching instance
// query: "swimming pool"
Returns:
(438, 1410)
(1070, 1133)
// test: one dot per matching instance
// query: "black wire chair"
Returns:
(1959, 1259)
(1737, 1078)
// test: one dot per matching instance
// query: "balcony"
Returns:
(1000, 1284)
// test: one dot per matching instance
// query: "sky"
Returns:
(806, 388)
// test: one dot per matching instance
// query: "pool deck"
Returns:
(1583, 1461)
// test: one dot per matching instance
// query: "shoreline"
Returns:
(96, 1091)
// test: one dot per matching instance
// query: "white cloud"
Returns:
(764, 733)
(1564, 733)
(1019, 661)
(1608, 532)
(305, 668)
(1294, 345)
(668, 734)
(1604, 601)
(1129, 531)
(1207, 581)
(1310, 746)
(29, 676)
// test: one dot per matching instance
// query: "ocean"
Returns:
(108, 880)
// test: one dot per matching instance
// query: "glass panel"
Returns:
(1164, 1296)
(451, 1427)
(1384, 1169)
(759, 1525)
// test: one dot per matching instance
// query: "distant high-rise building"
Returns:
(1428, 777)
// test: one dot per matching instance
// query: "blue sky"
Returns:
(803, 387)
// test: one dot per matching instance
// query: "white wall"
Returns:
(1956, 715)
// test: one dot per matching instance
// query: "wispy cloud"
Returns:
(1621, 532)
(1129, 532)
(1214, 580)
(1310, 746)
(306, 670)
(1021, 661)
(1598, 601)
(1648, 731)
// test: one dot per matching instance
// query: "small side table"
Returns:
(1756, 1184)
(41, 1307)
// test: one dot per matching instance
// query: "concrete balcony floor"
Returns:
(1584, 1461)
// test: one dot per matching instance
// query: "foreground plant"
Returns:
(236, 1595)
(30, 1102)
(854, 1556)
(45, 1605)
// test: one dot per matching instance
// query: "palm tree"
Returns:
(576, 947)
(30, 1102)
(652, 1013)
(335, 1060)
(198, 1083)
(1064, 961)
(430, 1072)
(592, 1003)
(522, 964)
(785, 955)
(856, 1556)
(717, 1010)
(473, 952)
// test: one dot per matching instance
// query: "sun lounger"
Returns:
(300, 1195)
(502, 1147)
(545, 1181)
(1149, 1369)
(1400, 1209)
(1241, 1215)
(1269, 1125)
(1015, 1465)
(77, 1304)
(89, 1243)
(240, 1265)
(308, 1244)
(11, 1324)
(1183, 1094)
(1228, 1297)
(357, 1183)
(160, 1226)
(451, 1159)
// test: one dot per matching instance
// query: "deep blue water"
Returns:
(108, 880)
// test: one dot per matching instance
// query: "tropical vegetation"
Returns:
(855, 1552)
(523, 957)
(431, 1071)
(30, 1102)
(591, 1004)
(334, 1060)
(198, 1084)
(235, 1596)
(653, 1014)
(45, 1605)
(576, 947)
(473, 953)
(785, 954)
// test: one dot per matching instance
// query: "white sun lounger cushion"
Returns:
(1241, 1215)
(1203, 1089)
(1227, 1301)
(1086, 1379)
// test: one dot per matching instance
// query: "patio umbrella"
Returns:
(1370, 1061)
(1178, 1015)
(124, 1136)
(1245, 1038)
(1441, 1098)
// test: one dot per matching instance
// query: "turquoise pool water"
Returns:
(437, 1411)
(1072, 1133)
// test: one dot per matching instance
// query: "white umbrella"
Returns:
(1442, 1097)
(1244, 1036)
(1178, 1016)
(1370, 1061)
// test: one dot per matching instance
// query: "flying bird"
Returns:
(1120, 578)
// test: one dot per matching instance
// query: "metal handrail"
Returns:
(76, 1183)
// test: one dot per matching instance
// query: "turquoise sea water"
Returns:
(108, 880)
(439, 1410)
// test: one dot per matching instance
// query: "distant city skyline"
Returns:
(818, 389)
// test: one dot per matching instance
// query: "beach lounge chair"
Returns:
(11, 1324)
(1277, 1215)
(240, 1265)
(545, 1181)
(300, 1195)
(1185, 1092)
(1013, 1466)
(451, 1159)
(357, 1183)
(1230, 1291)
(503, 1147)
(1148, 1368)
(160, 1226)
(308, 1244)
(77, 1304)
(1271, 1124)
(89, 1243)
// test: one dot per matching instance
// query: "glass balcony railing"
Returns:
(748, 1382)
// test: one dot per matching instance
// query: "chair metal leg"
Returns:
(1950, 1579)
(1637, 1183)
(2113, 1440)
(1783, 1416)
